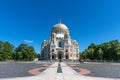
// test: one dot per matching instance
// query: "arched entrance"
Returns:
(60, 55)
(53, 56)
(67, 56)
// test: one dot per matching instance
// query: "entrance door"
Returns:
(53, 56)
(67, 56)
(60, 55)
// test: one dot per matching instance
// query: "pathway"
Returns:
(59, 72)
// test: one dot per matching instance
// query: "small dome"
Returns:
(60, 26)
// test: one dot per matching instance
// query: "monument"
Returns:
(60, 46)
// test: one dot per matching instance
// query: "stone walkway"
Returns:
(51, 73)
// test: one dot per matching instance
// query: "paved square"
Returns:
(51, 74)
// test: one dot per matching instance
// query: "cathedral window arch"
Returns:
(52, 50)
(66, 50)
(67, 56)
(60, 44)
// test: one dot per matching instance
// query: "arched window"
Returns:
(52, 50)
(67, 56)
(66, 50)
(60, 44)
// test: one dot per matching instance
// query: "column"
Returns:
(50, 56)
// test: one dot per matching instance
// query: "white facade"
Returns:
(60, 45)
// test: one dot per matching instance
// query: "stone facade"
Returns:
(60, 45)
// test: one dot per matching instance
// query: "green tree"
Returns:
(24, 52)
(20, 53)
(1, 50)
(108, 51)
(37, 55)
(99, 54)
(30, 53)
(7, 51)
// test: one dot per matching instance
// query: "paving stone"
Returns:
(67, 74)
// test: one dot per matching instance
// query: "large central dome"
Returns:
(60, 30)
(60, 26)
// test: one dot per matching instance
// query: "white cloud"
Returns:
(28, 41)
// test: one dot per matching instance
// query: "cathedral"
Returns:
(60, 46)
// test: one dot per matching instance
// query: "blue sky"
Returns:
(30, 21)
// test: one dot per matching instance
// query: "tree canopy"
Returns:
(106, 51)
(22, 52)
